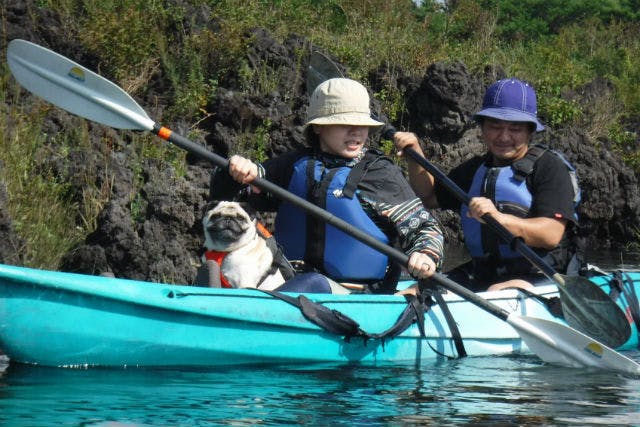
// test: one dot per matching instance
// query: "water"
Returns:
(611, 260)
(487, 391)
(475, 391)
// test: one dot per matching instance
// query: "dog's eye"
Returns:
(219, 215)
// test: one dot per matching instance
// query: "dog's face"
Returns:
(227, 226)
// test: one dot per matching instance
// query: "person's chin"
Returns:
(503, 152)
(351, 152)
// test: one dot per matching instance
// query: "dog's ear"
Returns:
(210, 205)
(250, 210)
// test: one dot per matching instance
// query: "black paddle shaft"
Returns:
(283, 194)
(331, 219)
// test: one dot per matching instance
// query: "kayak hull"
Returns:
(74, 320)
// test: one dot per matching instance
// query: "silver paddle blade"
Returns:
(321, 68)
(589, 309)
(558, 344)
(74, 88)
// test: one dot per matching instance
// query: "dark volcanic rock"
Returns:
(156, 236)
(610, 207)
(150, 227)
(443, 105)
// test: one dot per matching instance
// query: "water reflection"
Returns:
(521, 391)
(614, 259)
(475, 391)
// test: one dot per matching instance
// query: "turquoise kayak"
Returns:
(73, 320)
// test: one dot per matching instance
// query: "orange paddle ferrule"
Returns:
(164, 133)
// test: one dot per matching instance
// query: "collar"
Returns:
(331, 161)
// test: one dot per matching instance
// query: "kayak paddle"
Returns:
(80, 91)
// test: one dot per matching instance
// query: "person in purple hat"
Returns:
(528, 188)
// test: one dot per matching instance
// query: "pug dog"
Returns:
(233, 239)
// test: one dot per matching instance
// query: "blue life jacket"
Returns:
(323, 246)
(507, 188)
(524, 167)
(508, 194)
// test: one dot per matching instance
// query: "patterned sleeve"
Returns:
(390, 202)
(418, 230)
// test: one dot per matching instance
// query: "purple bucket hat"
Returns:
(511, 100)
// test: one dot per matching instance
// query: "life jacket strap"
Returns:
(524, 167)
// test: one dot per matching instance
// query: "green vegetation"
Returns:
(558, 45)
(39, 201)
(193, 46)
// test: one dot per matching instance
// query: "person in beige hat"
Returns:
(338, 172)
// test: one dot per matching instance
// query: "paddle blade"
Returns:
(74, 88)
(587, 308)
(321, 68)
(562, 345)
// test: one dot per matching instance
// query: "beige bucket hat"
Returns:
(340, 101)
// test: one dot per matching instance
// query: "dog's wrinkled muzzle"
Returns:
(226, 228)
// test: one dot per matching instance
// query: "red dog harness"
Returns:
(218, 256)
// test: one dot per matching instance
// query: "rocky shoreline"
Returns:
(163, 243)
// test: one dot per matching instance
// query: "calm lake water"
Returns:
(474, 391)
(486, 391)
